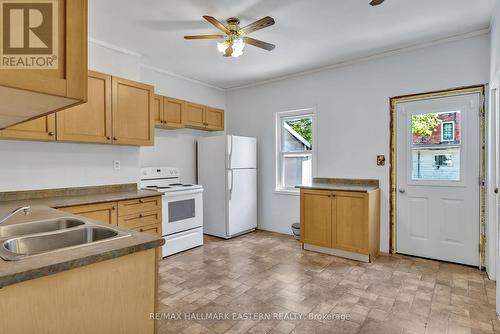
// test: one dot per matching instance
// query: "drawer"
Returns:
(139, 205)
(150, 229)
(140, 219)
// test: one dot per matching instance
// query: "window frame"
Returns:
(280, 154)
(452, 131)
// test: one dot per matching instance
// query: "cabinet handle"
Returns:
(114, 138)
(141, 201)
(141, 230)
(51, 133)
(113, 208)
(496, 190)
(108, 137)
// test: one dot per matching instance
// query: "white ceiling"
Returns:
(308, 33)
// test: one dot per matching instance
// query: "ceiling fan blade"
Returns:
(376, 2)
(257, 25)
(259, 44)
(204, 36)
(216, 23)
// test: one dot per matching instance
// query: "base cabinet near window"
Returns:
(341, 223)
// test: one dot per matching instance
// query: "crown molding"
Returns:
(114, 47)
(175, 75)
(365, 59)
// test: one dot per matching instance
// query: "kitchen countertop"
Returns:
(12, 272)
(60, 198)
(355, 185)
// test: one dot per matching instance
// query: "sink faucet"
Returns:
(26, 210)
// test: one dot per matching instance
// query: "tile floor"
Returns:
(267, 279)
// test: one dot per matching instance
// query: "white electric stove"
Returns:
(182, 205)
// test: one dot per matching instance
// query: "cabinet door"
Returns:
(104, 212)
(195, 115)
(42, 128)
(173, 110)
(351, 228)
(214, 119)
(158, 111)
(132, 105)
(89, 122)
(62, 79)
(316, 217)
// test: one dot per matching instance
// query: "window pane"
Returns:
(297, 169)
(436, 164)
(436, 128)
(296, 134)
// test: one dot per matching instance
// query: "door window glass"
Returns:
(436, 146)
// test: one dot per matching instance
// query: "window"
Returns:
(435, 155)
(448, 131)
(295, 149)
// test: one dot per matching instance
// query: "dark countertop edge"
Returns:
(346, 188)
(87, 199)
(76, 263)
(147, 193)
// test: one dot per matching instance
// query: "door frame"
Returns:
(392, 170)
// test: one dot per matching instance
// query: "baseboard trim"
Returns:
(338, 252)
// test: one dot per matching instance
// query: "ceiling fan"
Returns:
(236, 37)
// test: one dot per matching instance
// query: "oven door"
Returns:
(182, 210)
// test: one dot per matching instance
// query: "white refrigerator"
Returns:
(227, 169)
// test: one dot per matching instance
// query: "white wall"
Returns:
(352, 104)
(495, 47)
(28, 165)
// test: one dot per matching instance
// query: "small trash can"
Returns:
(296, 230)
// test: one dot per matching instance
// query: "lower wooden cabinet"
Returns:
(105, 213)
(142, 214)
(43, 128)
(347, 223)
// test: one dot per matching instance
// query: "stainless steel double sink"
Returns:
(24, 240)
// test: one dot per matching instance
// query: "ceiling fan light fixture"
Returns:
(222, 46)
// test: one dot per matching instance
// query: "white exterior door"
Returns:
(242, 204)
(437, 178)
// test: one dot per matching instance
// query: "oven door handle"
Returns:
(231, 182)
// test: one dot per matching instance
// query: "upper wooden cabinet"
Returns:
(158, 110)
(214, 119)
(195, 115)
(57, 78)
(42, 128)
(133, 117)
(89, 122)
(173, 110)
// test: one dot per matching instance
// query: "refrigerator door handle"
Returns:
(231, 182)
(230, 151)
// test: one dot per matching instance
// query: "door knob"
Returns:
(402, 190)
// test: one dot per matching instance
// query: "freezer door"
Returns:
(242, 152)
(242, 200)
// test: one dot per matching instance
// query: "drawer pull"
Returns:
(141, 201)
(141, 230)
(141, 215)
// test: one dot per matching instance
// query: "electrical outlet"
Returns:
(116, 164)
